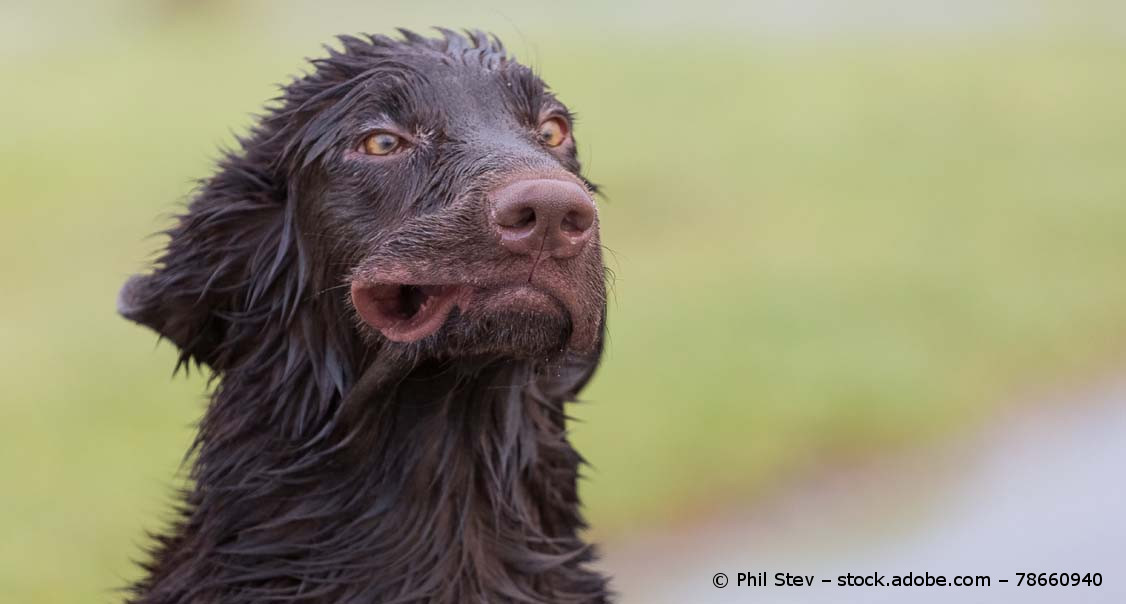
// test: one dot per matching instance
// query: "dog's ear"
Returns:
(230, 267)
(234, 267)
(192, 325)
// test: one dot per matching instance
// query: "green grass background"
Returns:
(828, 245)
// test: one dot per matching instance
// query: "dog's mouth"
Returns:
(405, 313)
(408, 313)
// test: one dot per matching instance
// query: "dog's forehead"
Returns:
(465, 89)
(472, 94)
(462, 81)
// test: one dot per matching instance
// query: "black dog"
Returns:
(397, 282)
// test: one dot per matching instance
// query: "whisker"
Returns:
(328, 289)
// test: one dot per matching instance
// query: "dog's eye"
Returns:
(381, 143)
(553, 132)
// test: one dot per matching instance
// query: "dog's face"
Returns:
(432, 184)
(449, 199)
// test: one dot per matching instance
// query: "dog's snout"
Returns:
(555, 216)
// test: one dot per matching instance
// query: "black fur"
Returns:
(333, 465)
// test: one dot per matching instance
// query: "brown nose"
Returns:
(555, 216)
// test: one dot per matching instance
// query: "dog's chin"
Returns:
(506, 333)
(517, 321)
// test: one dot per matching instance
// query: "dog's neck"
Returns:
(446, 484)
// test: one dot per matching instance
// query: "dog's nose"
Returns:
(533, 216)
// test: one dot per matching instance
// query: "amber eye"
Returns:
(553, 132)
(381, 143)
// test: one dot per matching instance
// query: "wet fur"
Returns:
(331, 466)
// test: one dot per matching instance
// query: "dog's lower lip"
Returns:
(519, 295)
(404, 312)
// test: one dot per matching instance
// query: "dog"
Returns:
(396, 281)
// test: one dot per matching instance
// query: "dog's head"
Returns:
(429, 186)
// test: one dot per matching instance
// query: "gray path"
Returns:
(1043, 492)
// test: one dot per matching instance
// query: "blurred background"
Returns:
(870, 304)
